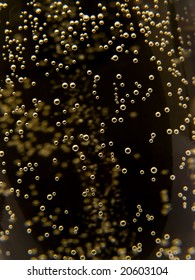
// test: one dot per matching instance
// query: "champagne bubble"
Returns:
(56, 101)
(127, 150)
(75, 148)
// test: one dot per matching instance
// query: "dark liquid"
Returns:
(97, 130)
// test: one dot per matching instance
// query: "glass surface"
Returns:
(97, 129)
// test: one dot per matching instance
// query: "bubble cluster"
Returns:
(97, 129)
